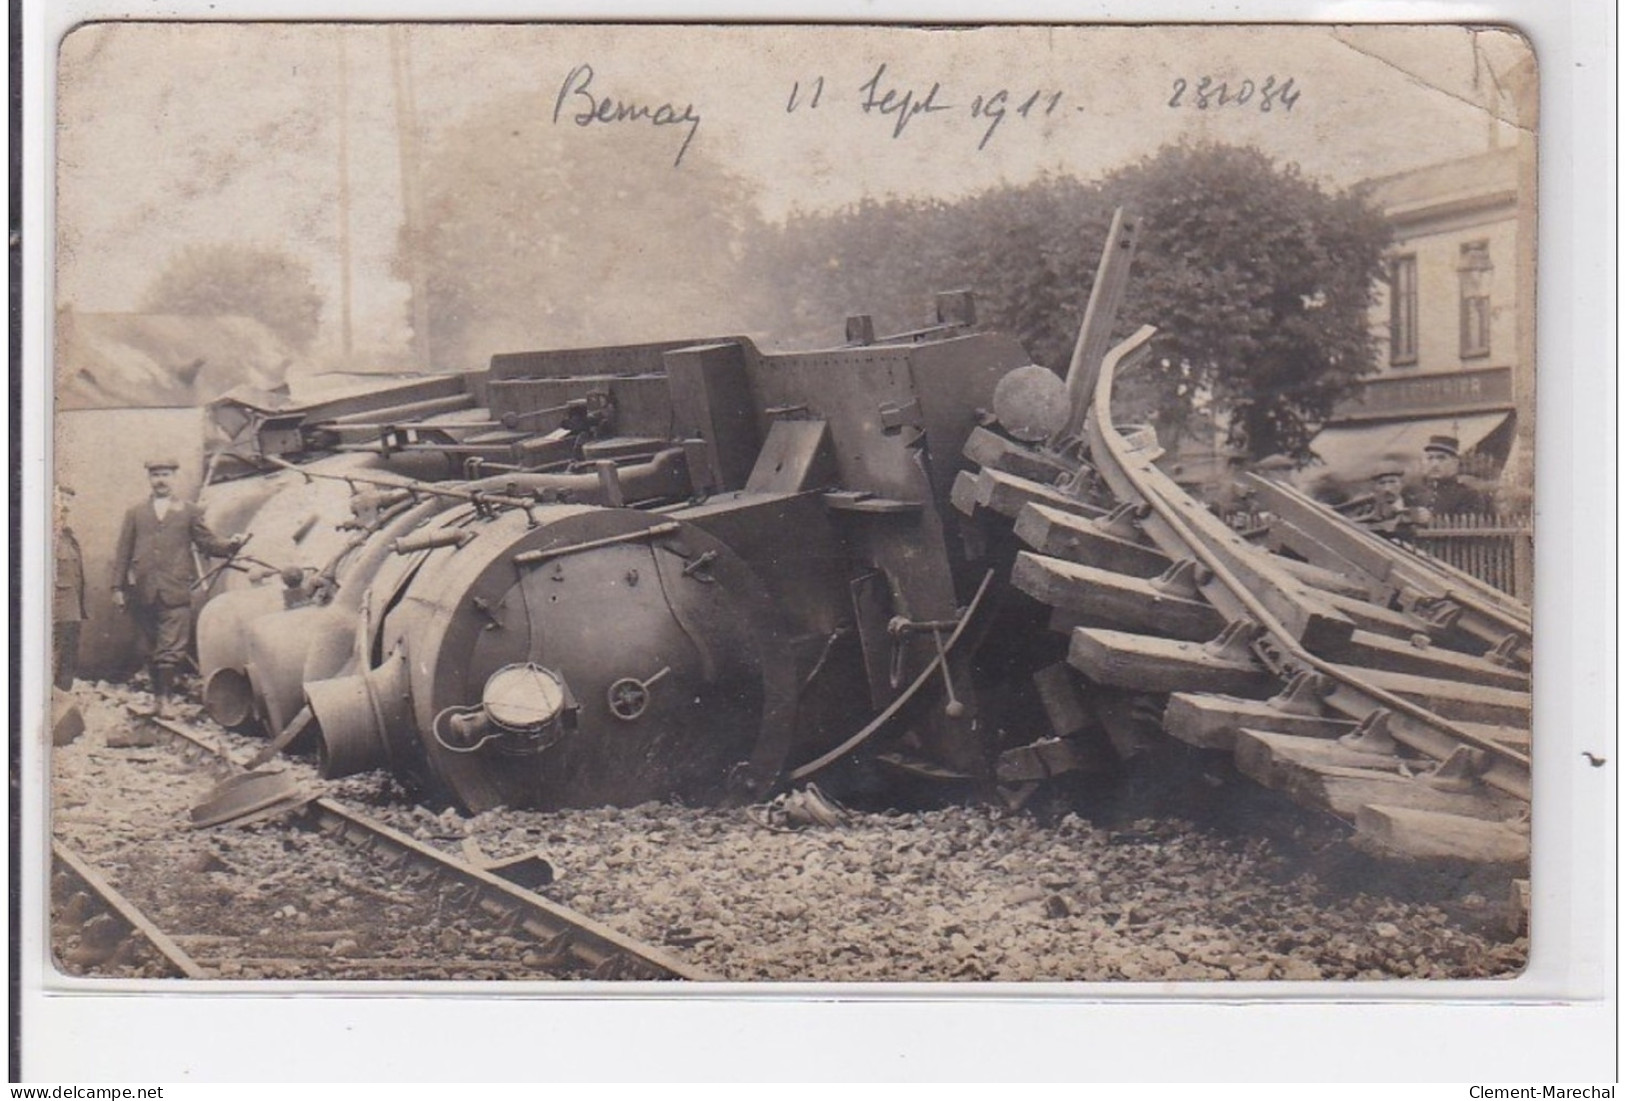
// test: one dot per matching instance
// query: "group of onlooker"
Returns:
(1392, 508)
(1391, 499)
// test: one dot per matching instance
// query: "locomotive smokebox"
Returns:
(562, 656)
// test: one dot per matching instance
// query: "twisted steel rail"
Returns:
(1172, 521)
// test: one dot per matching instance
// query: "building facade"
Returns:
(1454, 323)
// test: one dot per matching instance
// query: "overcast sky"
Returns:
(172, 134)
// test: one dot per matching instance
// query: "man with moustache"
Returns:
(154, 571)
(1443, 491)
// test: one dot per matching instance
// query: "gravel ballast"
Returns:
(973, 893)
(966, 893)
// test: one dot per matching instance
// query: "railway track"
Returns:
(1357, 676)
(97, 927)
(155, 910)
(966, 892)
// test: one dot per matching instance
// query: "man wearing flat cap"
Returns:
(154, 571)
(1443, 491)
(1384, 510)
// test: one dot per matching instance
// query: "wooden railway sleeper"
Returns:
(611, 968)
(462, 898)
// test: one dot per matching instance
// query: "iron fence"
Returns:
(1498, 550)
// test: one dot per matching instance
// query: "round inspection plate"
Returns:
(523, 697)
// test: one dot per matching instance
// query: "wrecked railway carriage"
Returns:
(696, 570)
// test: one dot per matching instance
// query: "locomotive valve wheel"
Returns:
(629, 697)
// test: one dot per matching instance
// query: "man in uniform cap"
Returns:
(1444, 493)
(67, 596)
(153, 572)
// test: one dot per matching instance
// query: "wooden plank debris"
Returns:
(1329, 776)
(1114, 600)
(1419, 832)
(1449, 699)
(1329, 582)
(1075, 538)
(1148, 663)
(995, 452)
(1057, 687)
(1419, 656)
(962, 495)
(1210, 721)
(1382, 620)
(1007, 494)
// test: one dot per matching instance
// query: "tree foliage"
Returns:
(542, 234)
(1261, 285)
(219, 280)
(1259, 282)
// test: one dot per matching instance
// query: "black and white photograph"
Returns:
(543, 503)
(580, 545)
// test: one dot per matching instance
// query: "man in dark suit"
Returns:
(1444, 493)
(153, 572)
(67, 597)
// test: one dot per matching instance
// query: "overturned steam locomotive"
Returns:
(683, 570)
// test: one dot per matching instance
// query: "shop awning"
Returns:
(1351, 451)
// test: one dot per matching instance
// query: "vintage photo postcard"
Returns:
(671, 511)
(1021, 505)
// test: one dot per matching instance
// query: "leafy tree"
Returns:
(1259, 282)
(1261, 285)
(231, 279)
(542, 234)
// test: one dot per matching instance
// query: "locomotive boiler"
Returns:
(688, 570)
